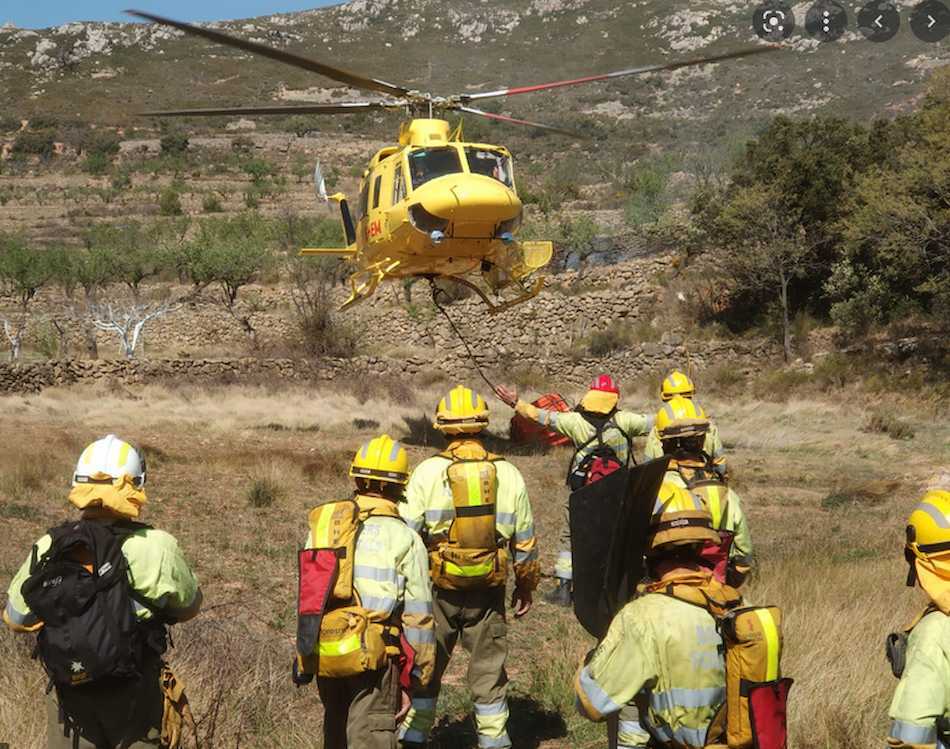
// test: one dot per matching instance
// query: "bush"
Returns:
(174, 144)
(169, 202)
(44, 122)
(892, 426)
(122, 179)
(724, 379)
(100, 142)
(252, 199)
(97, 164)
(9, 124)
(605, 342)
(40, 143)
(263, 493)
(870, 494)
(211, 204)
(259, 170)
(242, 144)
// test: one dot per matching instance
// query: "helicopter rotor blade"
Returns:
(342, 108)
(289, 58)
(617, 74)
(516, 121)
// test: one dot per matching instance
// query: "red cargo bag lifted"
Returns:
(525, 431)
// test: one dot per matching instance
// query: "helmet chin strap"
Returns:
(911, 569)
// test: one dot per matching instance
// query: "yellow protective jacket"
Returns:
(712, 446)
(579, 430)
(158, 572)
(429, 508)
(921, 704)
(391, 578)
(733, 519)
(665, 655)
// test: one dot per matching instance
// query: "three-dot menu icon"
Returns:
(826, 21)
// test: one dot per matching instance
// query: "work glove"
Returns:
(300, 679)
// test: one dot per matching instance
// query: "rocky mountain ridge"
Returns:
(468, 46)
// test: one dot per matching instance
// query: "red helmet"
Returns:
(605, 384)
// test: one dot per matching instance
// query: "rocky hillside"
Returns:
(105, 72)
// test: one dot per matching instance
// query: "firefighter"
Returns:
(104, 658)
(660, 666)
(472, 509)
(678, 385)
(683, 429)
(602, 434)
(920, 710)
(390, 580)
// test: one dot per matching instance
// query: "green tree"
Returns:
(765, 247)
(229, 255)
(896, 238)
(24, 270)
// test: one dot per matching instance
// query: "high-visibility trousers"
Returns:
(477, 619)
(360, 711)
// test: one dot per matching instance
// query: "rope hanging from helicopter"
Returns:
(436, 291)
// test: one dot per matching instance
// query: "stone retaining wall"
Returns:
(627, 366)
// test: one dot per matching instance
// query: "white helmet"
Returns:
(112, 457)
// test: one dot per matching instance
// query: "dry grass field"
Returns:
(234, 469)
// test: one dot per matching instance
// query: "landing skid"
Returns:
(364, 283)
(495, 308)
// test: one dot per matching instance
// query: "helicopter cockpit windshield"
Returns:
(429, 163)
(490, 163)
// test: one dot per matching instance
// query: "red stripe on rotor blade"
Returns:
(556, 84)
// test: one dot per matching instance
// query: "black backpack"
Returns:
(602, 460)
(90, 632)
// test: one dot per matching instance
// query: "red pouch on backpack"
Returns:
(318, 570)
(716, 556)
(600, 468)
(406, 662)
(767, 707)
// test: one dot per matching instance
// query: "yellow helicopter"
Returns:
(434, 206)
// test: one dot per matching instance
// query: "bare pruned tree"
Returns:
(128, 322)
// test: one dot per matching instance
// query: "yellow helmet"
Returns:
(681, 417)
(382, 459)
(461, 411)
(928, 527)
(677, 384)
(680, 518)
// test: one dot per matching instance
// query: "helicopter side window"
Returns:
(493, 164)
(399, 186)
(377, 185)
(430, 163)
(364, 200)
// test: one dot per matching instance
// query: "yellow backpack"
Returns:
(336, 636)
(469, 557)
(754, 713)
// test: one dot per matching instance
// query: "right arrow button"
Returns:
(930, 21)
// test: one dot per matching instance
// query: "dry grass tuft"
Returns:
(892, 426)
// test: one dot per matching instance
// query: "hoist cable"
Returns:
(471, 355)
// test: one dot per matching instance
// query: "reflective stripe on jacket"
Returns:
(668, 652)
(922, 697)
(712, 446)
(157, 570)
(732, 520)
(391, 574)
(429, 508)
(579, 430)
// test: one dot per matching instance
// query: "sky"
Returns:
(37, 14)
